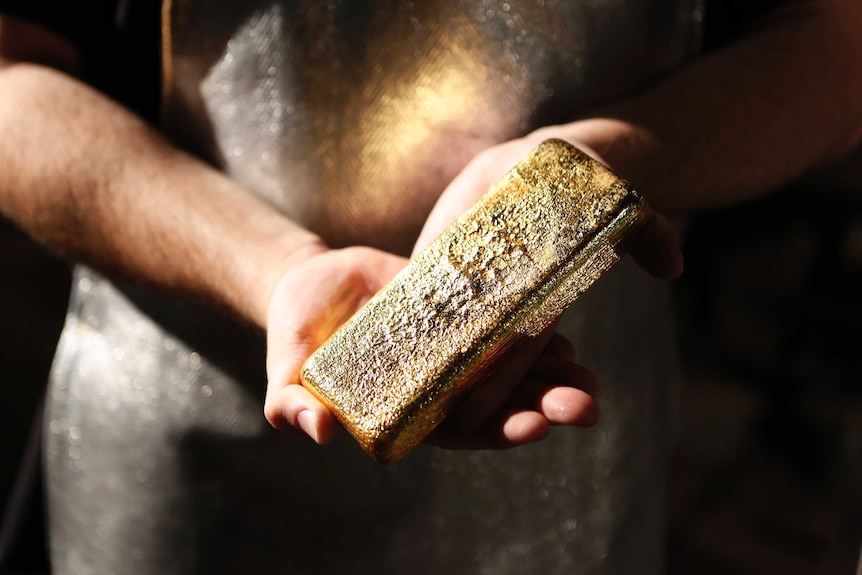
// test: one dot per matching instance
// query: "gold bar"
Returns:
(503, 271)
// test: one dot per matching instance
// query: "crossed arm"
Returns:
(95, 183)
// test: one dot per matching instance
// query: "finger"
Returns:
(492, 393)
(294, 407)
(560, 405)
(520, 427)
(657, 250)
(568, 406)
(510, 429)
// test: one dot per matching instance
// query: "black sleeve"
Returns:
(119, 42)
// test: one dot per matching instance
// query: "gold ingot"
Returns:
(505, 270)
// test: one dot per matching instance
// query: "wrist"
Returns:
(292, 248)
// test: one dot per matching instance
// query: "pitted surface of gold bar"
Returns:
(504, 270)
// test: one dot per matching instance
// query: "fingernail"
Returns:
(306, 422)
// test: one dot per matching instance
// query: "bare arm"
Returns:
(747, 118)
(731, 126)
(95, 183)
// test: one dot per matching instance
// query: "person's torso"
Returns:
(353, 115)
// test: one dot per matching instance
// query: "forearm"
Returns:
(745, 119)
(95, 183)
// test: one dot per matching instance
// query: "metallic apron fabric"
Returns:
(351, 116)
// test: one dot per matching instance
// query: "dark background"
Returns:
(767, 473)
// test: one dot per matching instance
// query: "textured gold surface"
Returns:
(504, 270)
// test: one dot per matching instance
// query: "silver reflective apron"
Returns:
(351, 117)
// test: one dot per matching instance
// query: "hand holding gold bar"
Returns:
(503, 271)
